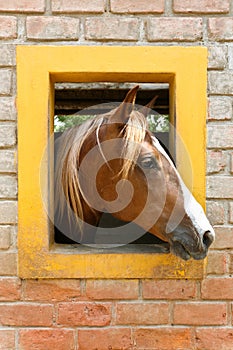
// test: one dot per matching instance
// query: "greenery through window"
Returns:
(157, 122)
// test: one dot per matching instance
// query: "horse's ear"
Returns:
(126, 107)
(146, 109)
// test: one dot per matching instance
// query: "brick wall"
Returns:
(121, 314)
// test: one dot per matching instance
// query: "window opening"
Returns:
(77, 102)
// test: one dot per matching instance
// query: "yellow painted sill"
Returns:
(38, 68)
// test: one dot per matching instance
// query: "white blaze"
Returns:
(192, 208)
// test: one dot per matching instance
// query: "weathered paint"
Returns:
(38, 67)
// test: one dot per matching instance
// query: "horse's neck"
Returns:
(91, 217)
(71, 228)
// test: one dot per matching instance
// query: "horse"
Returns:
(112, 163)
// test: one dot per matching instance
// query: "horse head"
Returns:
(115, 164)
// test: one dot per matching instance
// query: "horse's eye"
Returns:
(149, 163)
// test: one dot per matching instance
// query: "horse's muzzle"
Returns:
(187, 248)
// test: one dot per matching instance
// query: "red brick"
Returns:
(230, 57)
(7, 139)
(26, 315)
(8, 185)
(8, 27)
(10, 289)
(7, 108)
(5, 234)
(8, 164)
(224, 237)
(166, 338)
(220, 108)
(80, 6)
(214, 339)
(216, 212)
(201, 6)
(52, 28)
(169, 289)
(220, 29)
(139, 6)
(215, 139)
(55, 290)
(216, 263)
(105, 339)
(217, 57)
(231, 264)
(142, 313)
(8, 264)
(5, 81)
(216, 161)
(201, 314)
(174, 29)
(231, 205)
(220, 186)
(217, 288)
(84, 314)
(46, 339)
(119, 29)
(7, 339)
(22, 6)
(112, 289)
(5, 241)
(8, 209)
(221, 83)
(7, 55)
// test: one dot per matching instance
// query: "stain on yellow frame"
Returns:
(38, 68)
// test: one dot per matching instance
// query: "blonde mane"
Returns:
(69, 195)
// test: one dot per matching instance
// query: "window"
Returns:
(77, 102)
(184, 69)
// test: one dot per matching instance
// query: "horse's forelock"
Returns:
(134, 135)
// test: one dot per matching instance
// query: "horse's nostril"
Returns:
(207, 239)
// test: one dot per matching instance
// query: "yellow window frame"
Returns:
(38, 68)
